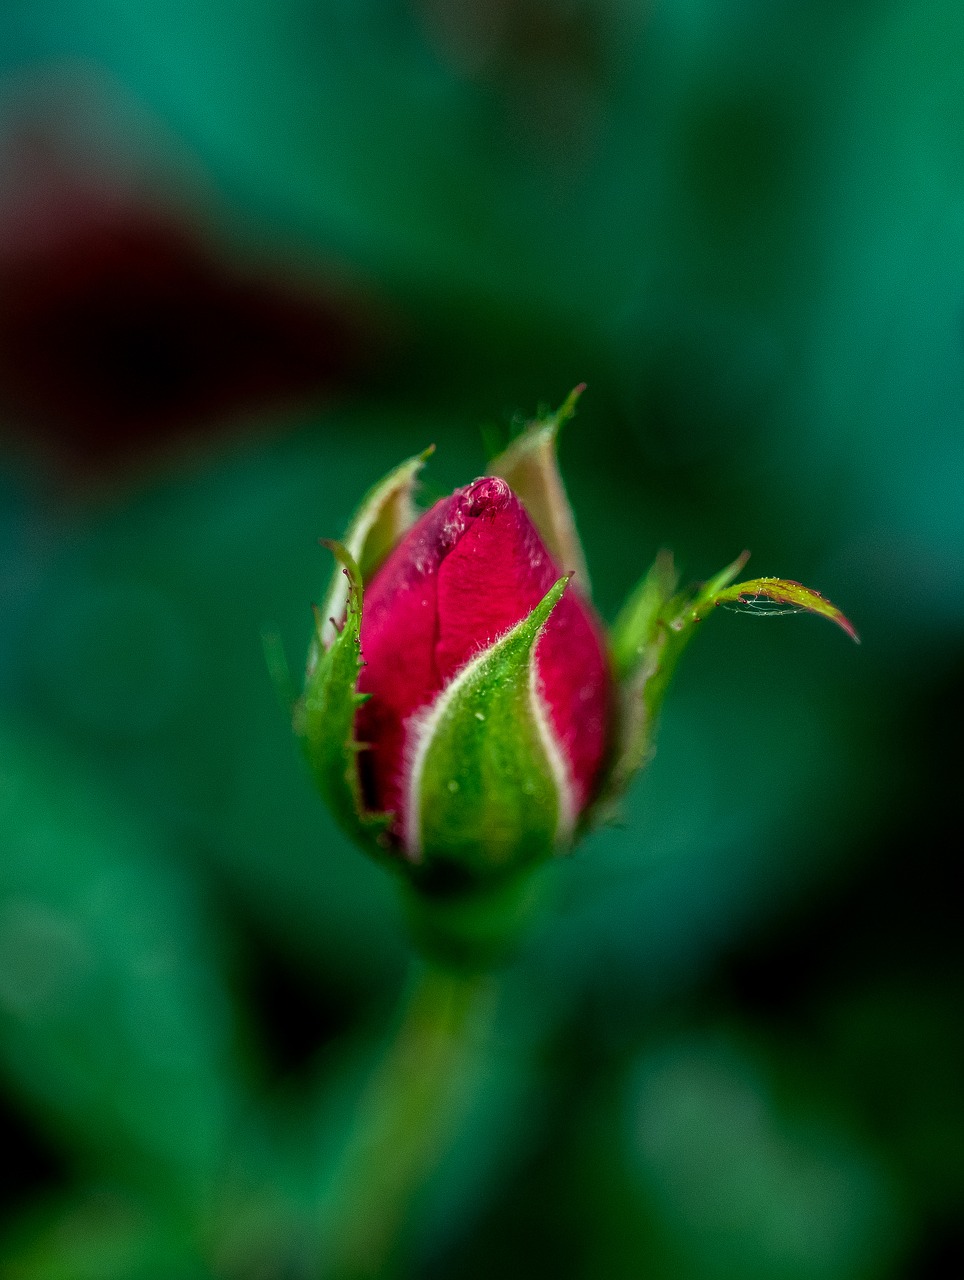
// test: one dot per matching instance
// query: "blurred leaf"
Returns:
(743, 1186)
(114, 1026)
(101, 1236)
(899, 1047)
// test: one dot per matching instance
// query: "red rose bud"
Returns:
(468, 572)
(461, 710)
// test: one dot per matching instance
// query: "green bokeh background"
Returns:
(733, 1048)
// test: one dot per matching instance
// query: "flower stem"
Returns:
(406, 1119)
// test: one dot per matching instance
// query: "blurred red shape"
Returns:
(125, 328)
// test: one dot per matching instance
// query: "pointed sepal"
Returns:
(488, 787)
(677, 626)
(651, 633)
(778, 596)
(386, 513)
(530, 466)
(324, 716)
(639, 619)
(644, 653)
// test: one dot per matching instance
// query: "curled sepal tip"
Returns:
(783, 595)
(650, 635)
(488, 787)
(324, 717)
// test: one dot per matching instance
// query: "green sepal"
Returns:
(676, 627)
(644, 654)
(788, 596)
(385, 514)
(682, 615)
(324, 717)
(650, 635)
(488, 789)
(530, 467)
(636, 626)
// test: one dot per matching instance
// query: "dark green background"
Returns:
(734, 1048)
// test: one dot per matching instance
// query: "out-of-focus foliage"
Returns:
(252, 253)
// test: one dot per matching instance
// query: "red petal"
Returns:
(470, 569)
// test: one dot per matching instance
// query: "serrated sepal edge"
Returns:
(324, 717)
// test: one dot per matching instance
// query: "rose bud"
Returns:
(488, 717)
(464, 711)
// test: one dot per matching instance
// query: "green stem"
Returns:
(406, 1119)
